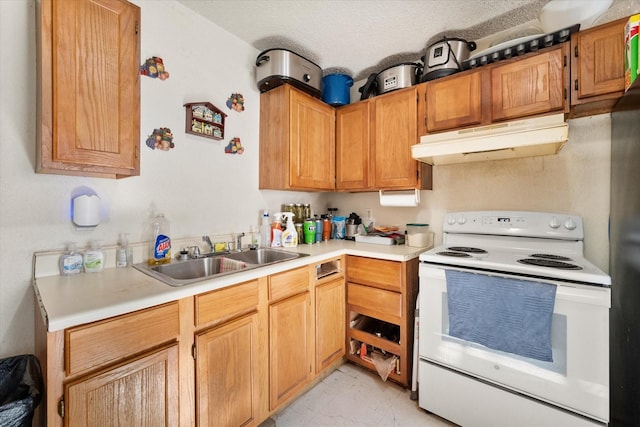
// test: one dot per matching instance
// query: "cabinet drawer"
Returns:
(97, 344)
(375, 272)
(374, 302)
(288, 283)
(227, 303)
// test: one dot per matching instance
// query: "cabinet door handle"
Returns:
(575, 84)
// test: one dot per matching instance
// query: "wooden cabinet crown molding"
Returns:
(88, 95)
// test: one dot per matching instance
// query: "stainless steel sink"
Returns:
(262, 256)
(180, 273)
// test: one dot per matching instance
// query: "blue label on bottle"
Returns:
(162, 249)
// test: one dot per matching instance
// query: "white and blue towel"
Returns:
(501, 313)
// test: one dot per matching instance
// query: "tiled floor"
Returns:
(352, 396)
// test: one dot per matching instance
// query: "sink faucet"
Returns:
(239, 241)
(208, 240)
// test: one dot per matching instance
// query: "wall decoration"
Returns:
(204, 119)
(161, 139)
(236, 102)
(234, 147)
(154, 68)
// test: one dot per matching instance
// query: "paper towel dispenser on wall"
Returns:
(529, 137)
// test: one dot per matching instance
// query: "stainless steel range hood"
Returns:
(537, 136)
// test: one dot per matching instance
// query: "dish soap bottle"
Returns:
(161, 245)
(289, 235)
(276, 230)
(71, 261)
(93, 258)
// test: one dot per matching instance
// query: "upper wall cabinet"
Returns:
(89, 88)
(597, 68)
(374, 139)
(526, 86)
(530, 86)
(297, 141)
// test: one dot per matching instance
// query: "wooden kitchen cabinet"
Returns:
(597, 68)
(456, 101)
(123, 368)
(381, 297)
(89, 88)
(530, 86)
(329, 313)
(227, 375)
(374, 139)
(353, 134)
(140, 392)
(297, 141)
(290, 335)
(229, 358)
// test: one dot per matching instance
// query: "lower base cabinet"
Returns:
(330, 327)
(142, 392)
(226, 389)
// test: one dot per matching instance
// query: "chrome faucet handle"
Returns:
(194, 251)
(239, 237)
(208, 240)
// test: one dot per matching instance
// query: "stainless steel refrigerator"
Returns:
(624, 260)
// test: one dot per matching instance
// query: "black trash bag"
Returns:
(20, 390)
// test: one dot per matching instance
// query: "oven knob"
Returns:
(461, 220)
(451, 220)
(554, 223)
(570, 224)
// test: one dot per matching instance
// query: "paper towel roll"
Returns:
(400, 198)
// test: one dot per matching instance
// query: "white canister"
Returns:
(418, 235)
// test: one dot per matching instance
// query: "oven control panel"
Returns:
(515, 223)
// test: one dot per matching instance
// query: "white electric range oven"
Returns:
(514, 323)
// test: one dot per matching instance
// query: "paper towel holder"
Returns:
(400, 198)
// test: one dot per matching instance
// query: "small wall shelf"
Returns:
(205, 120)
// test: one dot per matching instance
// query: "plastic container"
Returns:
(265, 230)
(276, 230)
(94, 258)
(309, 227)
(71, 261)
(124, 254)
(161, 245)
(418, 235)
(289, 235)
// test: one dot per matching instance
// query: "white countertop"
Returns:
(67, 301)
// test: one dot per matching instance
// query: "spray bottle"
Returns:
(276, 230)
(289, 235)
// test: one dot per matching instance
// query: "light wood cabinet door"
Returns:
(353, 132)
(395, 131)
(454, 102)
(529, 86)
(330, 323)
(597, 62)
(290, 339)
(89, 88)
(142, 392)
(297, 141)
(226, 380)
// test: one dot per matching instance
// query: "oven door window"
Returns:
(578, 377)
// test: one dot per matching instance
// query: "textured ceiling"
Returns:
(359, 37)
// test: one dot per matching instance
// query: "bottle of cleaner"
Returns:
(289, 235)
(265, 230)
(161, 246)
(71, 261)
(94, 258)
(276, 230)
(124, 254)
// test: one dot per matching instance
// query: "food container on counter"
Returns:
(418, 235)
